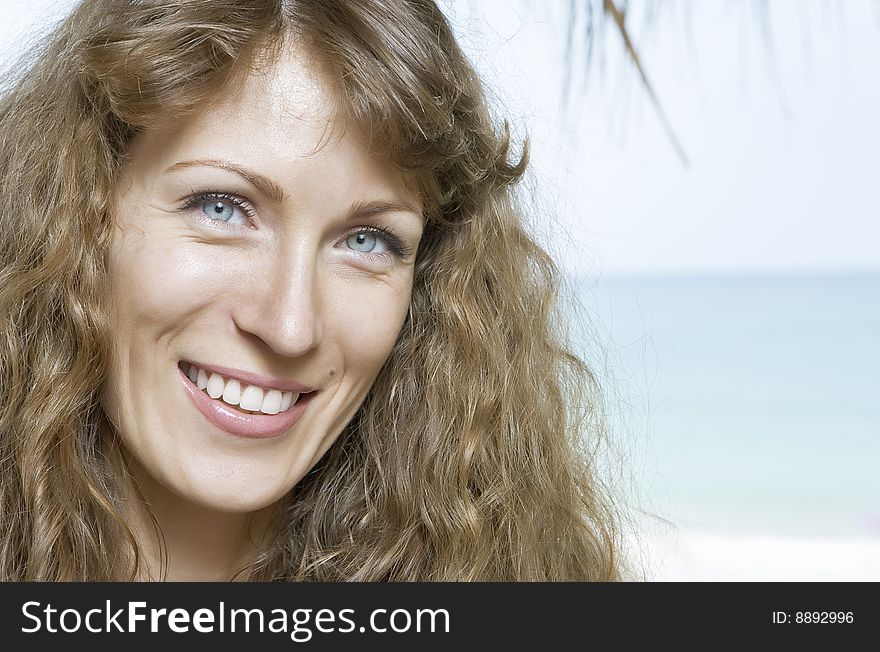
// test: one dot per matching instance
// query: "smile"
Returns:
(250, 399)
(240, 408)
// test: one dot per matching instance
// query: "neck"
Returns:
(195, 544)
(182, 541)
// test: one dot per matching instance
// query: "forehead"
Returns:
(280, 120)
(287, 105)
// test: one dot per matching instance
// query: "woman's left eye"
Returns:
(377, 241)
(363, 242)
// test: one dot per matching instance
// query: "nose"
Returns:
(282, 305)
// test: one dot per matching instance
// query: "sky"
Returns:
(781, 135)
(779, 129)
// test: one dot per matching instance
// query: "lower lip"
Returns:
(235, 422)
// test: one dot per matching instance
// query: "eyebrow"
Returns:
(261, 183)
(364, 209)
(359, 210)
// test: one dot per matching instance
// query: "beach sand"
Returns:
(703, 556)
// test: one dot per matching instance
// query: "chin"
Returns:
(233, 490)
(223, 499)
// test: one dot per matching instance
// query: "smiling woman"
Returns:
(270, 311)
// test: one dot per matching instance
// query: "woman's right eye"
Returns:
(221, 207)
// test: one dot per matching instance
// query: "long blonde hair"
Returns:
(471, 457)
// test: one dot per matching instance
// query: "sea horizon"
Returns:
(749, 409)
(749, 404)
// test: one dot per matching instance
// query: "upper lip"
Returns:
(251, 378)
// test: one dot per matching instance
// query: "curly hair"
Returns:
(472, 456)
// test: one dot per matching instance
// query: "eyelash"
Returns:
(202, 196)
(396, 246)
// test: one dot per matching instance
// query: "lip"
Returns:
(250, 378)
(254, 426)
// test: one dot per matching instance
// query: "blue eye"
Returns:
(362, 242)
(221, 207)
(223, 210)
(365, 239)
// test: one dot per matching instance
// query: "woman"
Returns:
(270, 310)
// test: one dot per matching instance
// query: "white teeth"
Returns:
(271, 402)
(252, 398)
(232, 392)
(215, 386)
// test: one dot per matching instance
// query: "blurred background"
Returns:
(718, 221)
(715, 211)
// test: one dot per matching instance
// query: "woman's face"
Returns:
(262, 251)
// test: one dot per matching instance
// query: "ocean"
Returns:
(748, 406)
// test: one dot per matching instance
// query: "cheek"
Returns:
(155, 289)
(157, 286)
(368, 319)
